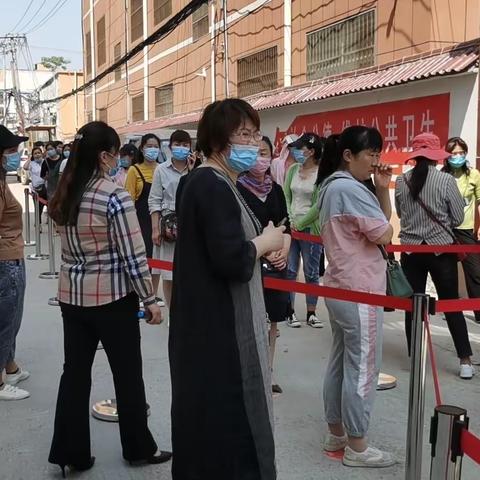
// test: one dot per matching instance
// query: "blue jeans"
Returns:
(310, 253)
(12, 294)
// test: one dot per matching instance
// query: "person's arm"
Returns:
(455, 203)
(130, 246)
(155, 202)
(382, 178)
(475, 174)
(131, 183)
(26, 165)
(44, 170)
(398, 187)
(287, 190)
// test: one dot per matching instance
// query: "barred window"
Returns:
(136, 19)
(101, 42)
(342, 47)
(137, 108)
(88, 53)
(102, 115)
(200, 22)
(117, 54)
(258, 72)
(162, 9)
(164, 100)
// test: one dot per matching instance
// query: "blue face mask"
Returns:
(457, 161)
(151, 154)
(242, 157)
(66, 153)
(12, 162)
(124, 162)
(52, 153)
(180, 153)
(298, 155)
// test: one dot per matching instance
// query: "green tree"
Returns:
(55, 63)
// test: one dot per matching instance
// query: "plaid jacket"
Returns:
(103, 255)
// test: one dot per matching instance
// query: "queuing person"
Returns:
(65, 155)
(284, 161)
(353, 223)
(50, 171)
(139, 182)
(58, 146)
(100, 238)
(34, 166)
(128, 154)
(267, 201)
(12, 271)
(468, 182)
(301, 193)
(430, 206)
(161, 203)
(222, 424)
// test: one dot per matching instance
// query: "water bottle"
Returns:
(144, 315)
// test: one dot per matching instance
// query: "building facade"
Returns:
(403, 66)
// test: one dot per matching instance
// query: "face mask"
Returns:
(298, 155)
(124, 162)
(261, 166)
(457, 161)
(180, 153)
(151, 154)
(66, 153)
(112, 171)
(242, 157)
(12, 162)
(38, 160)
(52, 153)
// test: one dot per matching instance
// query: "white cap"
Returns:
(290, 138)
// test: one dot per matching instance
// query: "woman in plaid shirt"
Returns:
(103, 275)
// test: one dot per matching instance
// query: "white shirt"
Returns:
(302, 191)
(35, 168)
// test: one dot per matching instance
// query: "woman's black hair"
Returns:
(180, 136)
(140, 158)
(451, 144)
(355, 138)
(33, 149)
(419, 175)
(83, 165)
(129, 149)
(3, 175)
(313, 142)
(66, 145)
(50, 144)
(220, 120)
(269, 144)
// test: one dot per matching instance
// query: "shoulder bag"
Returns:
(397, 282)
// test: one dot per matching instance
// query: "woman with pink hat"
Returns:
(430, 207)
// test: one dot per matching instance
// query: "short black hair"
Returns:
(269, 143)
(129, 149)
(180, 136)
(219, 120)
(143, 141)
(311, 141)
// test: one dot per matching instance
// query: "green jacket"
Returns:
(311, 219)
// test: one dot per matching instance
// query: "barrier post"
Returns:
(38, 255)
(52, 274)
(445, 433)
(28, 241)
(416, 400)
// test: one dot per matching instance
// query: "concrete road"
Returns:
(26, 426)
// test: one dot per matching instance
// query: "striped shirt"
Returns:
(103, 255)
(441, 195)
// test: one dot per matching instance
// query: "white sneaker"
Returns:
(14, 378)
(467, 371)
(333, 443)
(314, 322)
(9, 392)
(371, 457)
(293, 322)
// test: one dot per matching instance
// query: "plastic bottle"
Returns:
(144, 315)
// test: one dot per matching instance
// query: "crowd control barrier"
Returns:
(28, 233)
(52, 273)
(38, 255)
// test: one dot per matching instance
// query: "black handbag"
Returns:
(397, 282)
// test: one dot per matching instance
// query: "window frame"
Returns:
(196, 20)
(133, 100)
(158, 5)
(101, 44)
(169, 110)
(133, 13)
(117, 55)
(88, 53)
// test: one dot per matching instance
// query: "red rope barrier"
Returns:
(433, 362)
(470, 445)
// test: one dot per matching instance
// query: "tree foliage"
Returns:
(55, 63)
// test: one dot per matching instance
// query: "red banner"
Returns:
(398, 121)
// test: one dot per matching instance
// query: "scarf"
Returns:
(258, 188)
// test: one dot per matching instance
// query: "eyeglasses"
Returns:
(246, 136)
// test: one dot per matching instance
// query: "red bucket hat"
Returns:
(427, 145)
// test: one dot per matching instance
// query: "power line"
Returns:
(56, 8)
(35, 14)
(23, 16)
(155, 37)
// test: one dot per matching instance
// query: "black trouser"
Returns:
(117, 326)
(471, 267)
(444, 273)
(42, 193)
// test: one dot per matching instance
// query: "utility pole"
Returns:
(226, 59)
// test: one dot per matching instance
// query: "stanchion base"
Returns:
(29, 244)
(53, 302)
(106, 410)
(42, 256)
(49, 275)
(386, 382)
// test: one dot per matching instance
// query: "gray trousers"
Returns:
(12, 293)
(351, 379)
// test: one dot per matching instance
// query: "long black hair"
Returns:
(3, 175)
(313, 142)
(451, 144)
(355, 139)
(419, 175)
(83, 164)
(140, 158)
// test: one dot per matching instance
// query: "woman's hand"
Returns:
(155, 314)
(273, 237)
(382, 175)
(191, 159)
(156, 238)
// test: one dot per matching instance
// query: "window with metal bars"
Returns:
(162, 9)
(88, 53)
(200, 22)
(164, 100)
(89, 117)
(136, 19)
(102, 115)
(258, 72)
(117, 54)
(342, 47)
(137, 108)
(101, 42)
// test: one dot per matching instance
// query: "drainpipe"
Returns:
(213, 53)
(287, 43)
